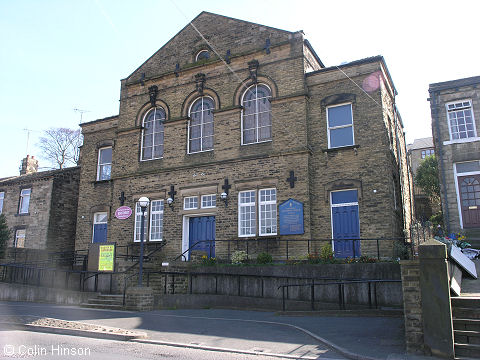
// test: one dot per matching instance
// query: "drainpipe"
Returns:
(433, 109)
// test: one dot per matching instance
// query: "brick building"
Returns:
(40, 208)
(416, 153)
(221, 130)
(455, 108)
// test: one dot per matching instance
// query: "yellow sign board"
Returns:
(106, 257)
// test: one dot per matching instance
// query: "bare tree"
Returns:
(61, 146)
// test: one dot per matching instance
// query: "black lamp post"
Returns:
(143, 202)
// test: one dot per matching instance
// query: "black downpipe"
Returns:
(433, 109)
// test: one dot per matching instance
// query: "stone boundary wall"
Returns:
(19, 292)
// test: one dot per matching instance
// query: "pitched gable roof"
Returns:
(221, 32)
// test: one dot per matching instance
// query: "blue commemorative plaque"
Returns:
(291, 217)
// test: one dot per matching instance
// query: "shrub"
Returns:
(326, 252)
(206, 261)
(436, 219)
(366, 259)
(239, 257)
(4, 235)
(264, 258)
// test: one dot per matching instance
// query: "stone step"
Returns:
(467, 337)
(106, 301)
(468, 350)
(466, 313)
(466, 302)
(466, 324)
(102, 306)
(110, 296)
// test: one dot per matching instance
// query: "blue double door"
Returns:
(345, 223)
(201, 234)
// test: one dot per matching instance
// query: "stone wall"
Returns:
(412, 306)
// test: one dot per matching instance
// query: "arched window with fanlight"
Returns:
(200, 125)
(256, 114)
(153, 134)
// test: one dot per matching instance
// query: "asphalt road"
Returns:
(31, 345)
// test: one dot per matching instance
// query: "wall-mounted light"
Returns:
(224, 195)
(171, 198)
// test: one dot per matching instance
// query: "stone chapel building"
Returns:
(230, 126)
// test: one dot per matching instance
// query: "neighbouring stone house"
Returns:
(455, 109)
(416, 153)
(40, 209)
(238, 134)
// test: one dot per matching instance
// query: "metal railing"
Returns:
(341, 290)
(268, 244)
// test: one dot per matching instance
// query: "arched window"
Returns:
(256, 115)
(202, 55)
(200, 125)
(152, 137)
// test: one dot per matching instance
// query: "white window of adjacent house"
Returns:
(461, 122)
(267, 211)
(2, 196)
(24, 201)
(153, 134)
(200, 125)
(209, 201)
(138, 223)
(104, 169)
(340, 126)
(256, 115)
(156, 220)
(190, 203)
(247, 213)
(427, 152)
(20, 238)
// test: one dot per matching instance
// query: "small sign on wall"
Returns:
(101, 257)
(123, 212)
(291, 217)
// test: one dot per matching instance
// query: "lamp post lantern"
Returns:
(143, 202)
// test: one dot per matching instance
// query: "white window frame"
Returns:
(153, 139)
(340, 127)
(2, 198)
(201, 127)
(23, 198)
(244, 205)
(256, 113)
(200, 53)
(138, 213)
(468, 138)
(190, 203)
(208, 199)
(18, 237)
(100, 165)
(274, 219)
(156, 212)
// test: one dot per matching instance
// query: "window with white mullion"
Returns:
(256, 115)
(156, 220)
(461, 120)
(104, 169)
(2, 196)
(24, 201)
(340, 125)
(138, 223)
(201, 126)
(268, 212)
(153, 134)
(246, 214)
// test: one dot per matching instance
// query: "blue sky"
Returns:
(59, 55)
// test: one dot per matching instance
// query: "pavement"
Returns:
(295, 336)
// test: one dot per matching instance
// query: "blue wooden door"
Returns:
(345, 223)
(202, 234)
(99, 233)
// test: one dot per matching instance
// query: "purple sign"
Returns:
(123, 212)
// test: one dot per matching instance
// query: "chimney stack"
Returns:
(29, 165)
